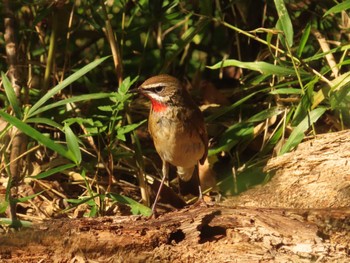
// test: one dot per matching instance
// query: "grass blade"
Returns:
(15, 223)
(338, 8)
(304, 39)
(260, 66)
(34, 110)
(53, 171)
(227, 109)
(298, 133)
(72, 100)
(265, 114)
(45, 121)
(136, 207)
(284, 21)
(28, 130)
(11, 96)
(237, 133)
(72, 143)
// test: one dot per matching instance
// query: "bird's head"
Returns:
(163, 91)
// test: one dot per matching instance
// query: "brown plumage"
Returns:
(176, 125)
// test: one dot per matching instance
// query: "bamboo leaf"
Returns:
(284, 21)
(15, 223)
(339, 83)
(265, 114)
(45, 121)
(321, 55)
(3, 206)
(26, 198)
(53, 171)
(304, 39)
(298, 133)
(224, 110)
(338, 8)
(286, 91)
(136, 207)
(11, 96)
(260, 66)
(34, 110)
(84, 97)
(237, 133)
(31, 132)
(72, 143)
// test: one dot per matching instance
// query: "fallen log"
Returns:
(195, 234)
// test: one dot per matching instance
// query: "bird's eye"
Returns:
(159, 89)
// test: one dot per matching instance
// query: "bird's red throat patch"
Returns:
(158, 106)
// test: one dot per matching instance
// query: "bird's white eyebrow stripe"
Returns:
(155, 85)
(156, 97)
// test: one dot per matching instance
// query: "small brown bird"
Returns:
(177, 127)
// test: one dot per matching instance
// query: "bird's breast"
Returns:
(175, 141)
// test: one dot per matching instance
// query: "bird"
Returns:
(177, 127)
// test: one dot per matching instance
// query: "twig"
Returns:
(112, 39)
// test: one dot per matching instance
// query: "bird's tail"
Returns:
(185, 174)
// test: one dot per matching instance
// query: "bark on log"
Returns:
(316, 175)
(197, 234)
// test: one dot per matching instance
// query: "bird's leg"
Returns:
(200, 200)
(165, 171)
(196, 171)
(200, 197)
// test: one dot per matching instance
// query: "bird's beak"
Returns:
(141, 90)
(134, 90)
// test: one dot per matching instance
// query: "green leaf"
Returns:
(340, 93)
(25, 128)
(126, 84)
(85, 97)
(286, 91)
(136, 207)
(260, 66)
(93, 208)
(80, 121)
(235, 134)
(11, 96)
(339, 83)
(298, 133)
(277, 134)
(284, 21)
(45, 121)
(3, 206)
(265, 114)
(72, 143)
(304, 39)
(15, 223)
(225, 110)
(105, 108)
(53, 171)
(35, 109)
(305, 103)
(338, 8)
(84, 200)
(321, 55)
(26, 198)
(121, 131)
